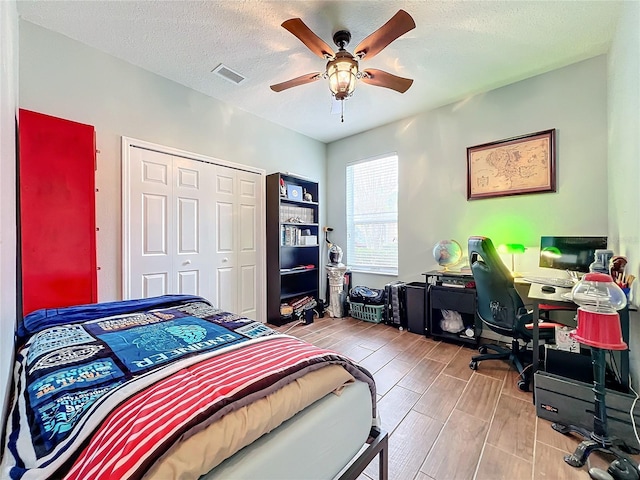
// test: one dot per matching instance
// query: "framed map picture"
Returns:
(514, 166)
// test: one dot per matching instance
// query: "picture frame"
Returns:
(513, 166)
(294, 192)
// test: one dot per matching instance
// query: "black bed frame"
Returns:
(378, 446)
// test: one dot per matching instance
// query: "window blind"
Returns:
(372, 215)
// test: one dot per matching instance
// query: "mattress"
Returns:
(205, 449)
(315, 444)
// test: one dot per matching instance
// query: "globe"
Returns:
(447, 253)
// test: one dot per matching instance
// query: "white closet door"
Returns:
(193, 227)
(192, 255)
(225, 244)
(249, 195)
(151, 222)
(237, 200)
(169, 234)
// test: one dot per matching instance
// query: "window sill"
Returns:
(372, 272)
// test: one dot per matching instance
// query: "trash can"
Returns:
(415, 301)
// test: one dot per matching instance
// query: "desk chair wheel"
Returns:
(473, 365)
(482, 349)
(623, 469)
(599, 474)
(523, 385)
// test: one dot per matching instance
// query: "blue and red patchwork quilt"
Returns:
(100, 391)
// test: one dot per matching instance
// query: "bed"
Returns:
(171, 387)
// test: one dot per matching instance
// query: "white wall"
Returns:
(61, 77)
(624, 155)
(432, 150)
(8, 101)
(64, 78)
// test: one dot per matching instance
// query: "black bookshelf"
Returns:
(293, 257)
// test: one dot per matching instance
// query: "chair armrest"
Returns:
(524, 312)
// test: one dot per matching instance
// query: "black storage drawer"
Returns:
(414, 302)
(447, 298)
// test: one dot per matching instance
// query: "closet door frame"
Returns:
(127, 144)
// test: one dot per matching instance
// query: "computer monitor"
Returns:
(570, 253)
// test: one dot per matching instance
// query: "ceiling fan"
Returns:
(342, 68)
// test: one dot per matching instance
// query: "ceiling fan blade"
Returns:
(380, 78)
(399, 24)
(306, 36)
(294, 82)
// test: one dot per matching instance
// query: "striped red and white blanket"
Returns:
(103, 397)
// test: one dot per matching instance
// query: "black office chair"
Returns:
(500, 308)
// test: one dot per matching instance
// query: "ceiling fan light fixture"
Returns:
(342, 73)
(342, 70)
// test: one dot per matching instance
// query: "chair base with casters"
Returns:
(513, 355)
(623, 467)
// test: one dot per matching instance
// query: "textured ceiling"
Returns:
(458, 49)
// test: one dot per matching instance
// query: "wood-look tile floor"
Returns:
(447, 422)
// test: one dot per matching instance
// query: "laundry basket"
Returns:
(368, 313)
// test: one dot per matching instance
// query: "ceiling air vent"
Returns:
(228, 74)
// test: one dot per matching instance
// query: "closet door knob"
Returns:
(225, 259)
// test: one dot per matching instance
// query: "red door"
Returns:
(57, 212)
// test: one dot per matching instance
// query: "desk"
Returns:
(538, 297)
(455, 291)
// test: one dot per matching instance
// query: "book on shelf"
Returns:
(296, 214)
(310, 304)
(297, 306)
(290, 235)
(300, 301)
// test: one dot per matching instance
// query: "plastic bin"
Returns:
(368, 313)
(414, 303)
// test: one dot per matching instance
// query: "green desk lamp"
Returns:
(512, 249)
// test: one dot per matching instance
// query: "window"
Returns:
(372, 215)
